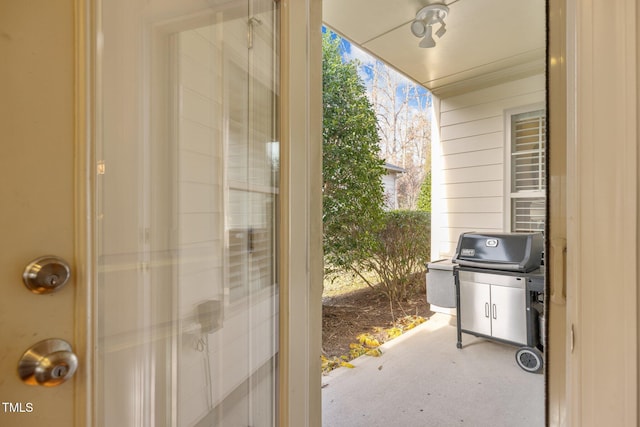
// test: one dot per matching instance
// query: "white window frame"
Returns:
(509, 195)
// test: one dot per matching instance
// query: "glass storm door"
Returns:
(186, 204)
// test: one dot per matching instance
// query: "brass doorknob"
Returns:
(48, 363)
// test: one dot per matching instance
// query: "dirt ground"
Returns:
(346, 316)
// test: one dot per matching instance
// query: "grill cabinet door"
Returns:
(508, 314)
(475, 307)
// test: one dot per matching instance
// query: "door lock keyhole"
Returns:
(46, 274)
(52, 281)
(59, 371)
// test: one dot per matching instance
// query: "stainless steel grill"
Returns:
(500, 251)
(500, 291)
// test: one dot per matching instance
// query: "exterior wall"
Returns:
(390, 193)
(468, 163)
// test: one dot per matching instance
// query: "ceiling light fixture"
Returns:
(426, 17)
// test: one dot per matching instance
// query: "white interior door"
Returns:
(177, 288)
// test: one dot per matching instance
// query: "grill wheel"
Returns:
(530, 359)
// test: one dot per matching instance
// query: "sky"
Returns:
(352, 52)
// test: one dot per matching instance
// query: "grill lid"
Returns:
(500, 251)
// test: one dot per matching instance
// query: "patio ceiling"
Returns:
(487, 41)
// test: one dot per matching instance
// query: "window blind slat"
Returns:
(528, 151)
(528, 171)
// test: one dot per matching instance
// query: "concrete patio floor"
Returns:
(423, 380)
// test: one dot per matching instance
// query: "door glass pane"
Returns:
(186, 201)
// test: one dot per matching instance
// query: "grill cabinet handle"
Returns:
(486, 309)
(495, 312)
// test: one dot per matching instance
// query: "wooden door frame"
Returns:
(602, 213)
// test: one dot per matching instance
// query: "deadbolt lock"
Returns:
(48, 363)
(46, 274)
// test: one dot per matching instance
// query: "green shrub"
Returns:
(403, 247)
(352, 172)
(424, 198)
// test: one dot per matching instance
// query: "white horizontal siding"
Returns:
(494, 156)
(196, 137)
(473, 128)
(199, 227)
(473, 143)
(197, 48)
(468, 164)
(196, 168)
(196, 197)
(494, 108)
(474, 220)
(473, 189)
(198, 107)
(198, 77)
(475, 173)
(474, 204)
(390, 197)
(452, 234)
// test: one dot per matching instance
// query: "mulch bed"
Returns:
(347, 316)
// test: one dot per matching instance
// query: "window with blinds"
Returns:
(528, 171)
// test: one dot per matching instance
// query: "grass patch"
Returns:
(345, 283)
